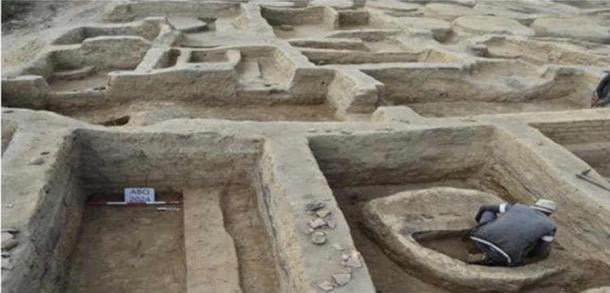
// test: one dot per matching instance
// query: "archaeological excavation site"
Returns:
(300, 146)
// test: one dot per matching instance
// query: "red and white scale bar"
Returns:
(125, 203)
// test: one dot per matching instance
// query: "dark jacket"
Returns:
(602, 92)
(516, 232)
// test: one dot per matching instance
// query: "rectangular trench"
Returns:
(362, 168)
(216, 241)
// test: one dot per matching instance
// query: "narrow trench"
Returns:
(257, 269)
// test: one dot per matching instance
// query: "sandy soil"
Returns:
(123, 249)
(257, 268)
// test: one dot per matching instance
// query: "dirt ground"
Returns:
(128, 249)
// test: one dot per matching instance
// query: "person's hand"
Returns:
(594, 100)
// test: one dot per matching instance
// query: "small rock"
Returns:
(322, 213)
(318, 237)
(6, 254)
(317, 223)
(314, 206)
(37, 161)
(338, 246)
(346, 132)
(342, 278)
(331, 223)
(326, 286)
(353, 260)
(286, 27)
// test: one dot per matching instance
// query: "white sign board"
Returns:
(139, 194)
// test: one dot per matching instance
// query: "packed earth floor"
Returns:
(300, 146)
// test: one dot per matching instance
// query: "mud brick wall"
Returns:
(51, 232)
(589, 140)
(576, 132)
(131, 11)
(353, 17)
(278, 16)
(113, 161)
(395, 158)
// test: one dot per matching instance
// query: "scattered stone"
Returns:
(331, 222)
(326, 286)
(318, 238)
(37, 161)
(286, 27)
(314, 206)
(317, 223)
(342, 278)
(353, 260)
(323, 213)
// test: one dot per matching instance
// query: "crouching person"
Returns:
(601, 95)
(507, 234)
